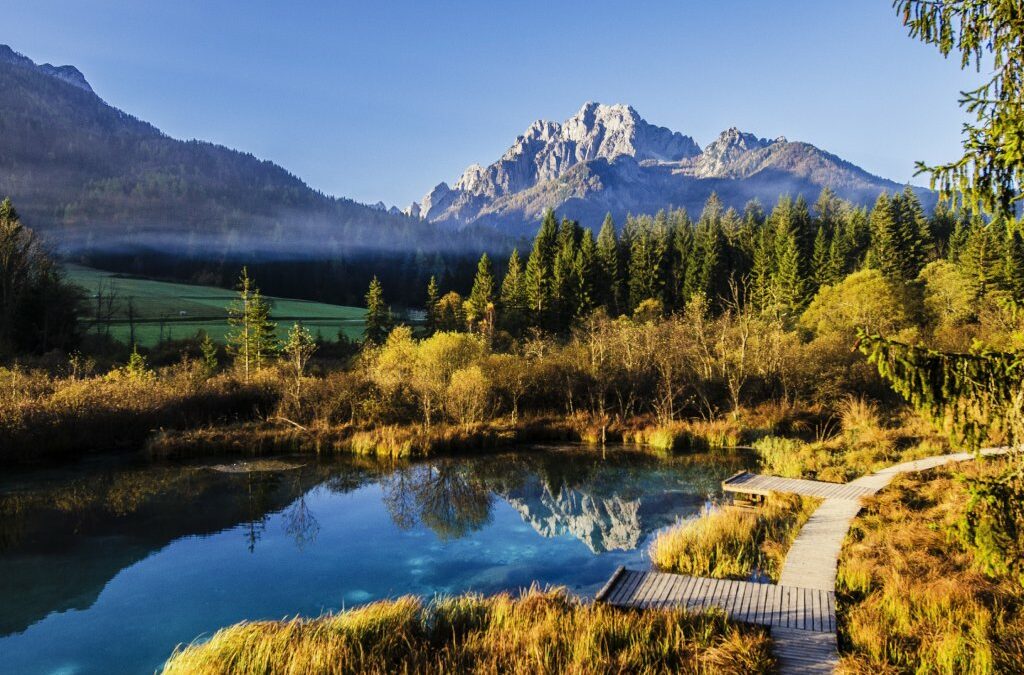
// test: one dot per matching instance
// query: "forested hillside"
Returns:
(93, 178)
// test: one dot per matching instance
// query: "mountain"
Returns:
(606, 158)
(92, 177)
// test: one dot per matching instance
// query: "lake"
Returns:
(105, 566)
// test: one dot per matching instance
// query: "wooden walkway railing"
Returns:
(800, 609)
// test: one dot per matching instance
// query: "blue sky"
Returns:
(382, 100)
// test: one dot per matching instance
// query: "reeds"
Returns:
(689, 436)
(538, 632)
(733, 543)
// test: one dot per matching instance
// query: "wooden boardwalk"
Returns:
(755, 484)
(800, 609)
(804, 609)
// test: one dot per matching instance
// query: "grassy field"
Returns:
(174, 311)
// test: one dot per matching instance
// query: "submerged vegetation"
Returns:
(538, 632)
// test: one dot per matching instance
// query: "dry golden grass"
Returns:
(910, 597)
(539, 632)
(734, 543)
(689, 436)
(44, 417)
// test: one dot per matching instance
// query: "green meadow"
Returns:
(165, 310)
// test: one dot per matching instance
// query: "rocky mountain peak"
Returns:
(610, 131)
(724, 151)
(548, 150)
(609, 159)
(69, 74)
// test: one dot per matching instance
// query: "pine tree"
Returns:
(983, 259)
(958, 237)
(299, 348)
(584, 275)
(681, 249)
(789, 287)
(762, 273)
(916, 233)
(941, 225)
(838, 258)
(646, 262)
(857, 227)
(704, 273)
(888, 250)
(253, 336)
(608, 277)
(1014, 267)
(433, 295)
(563, 281)
(540, 272)
(820, 260)
(209, 351)
(378, 314)
(828, 211)
(804, 230)
(480, 305)
(263, 331)
(513, 296)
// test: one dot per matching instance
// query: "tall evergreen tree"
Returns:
(804, 230)
(789, 286)
(821, 272)
(253, 336)
(480, 305)
(760, 288)
(563, 279)
(513, 302)
(649, 246)
(959, 236)
(1014, 266)
(839, 263)
(608, 277)
(916, 232)
(540, 271)
(585, 274)
(983, 259)
(433, 295)
(888, 251)
(378, 314)
(681, 251)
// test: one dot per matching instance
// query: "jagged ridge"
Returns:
(606, 158)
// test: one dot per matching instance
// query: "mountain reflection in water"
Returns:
(264, 540)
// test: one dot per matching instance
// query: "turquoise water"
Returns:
(105, 568)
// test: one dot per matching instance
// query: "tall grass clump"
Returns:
(689, 436)
(538, 632)
(733, 543)
(911, 599)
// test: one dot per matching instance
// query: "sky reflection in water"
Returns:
(105, 568)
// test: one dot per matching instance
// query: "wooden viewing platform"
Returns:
(800, 610)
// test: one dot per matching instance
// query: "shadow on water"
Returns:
(66, 535)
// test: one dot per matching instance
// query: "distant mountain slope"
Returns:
(606, 158)
(92, 176)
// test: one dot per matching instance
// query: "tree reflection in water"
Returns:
(300, 523)
(446, 497)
